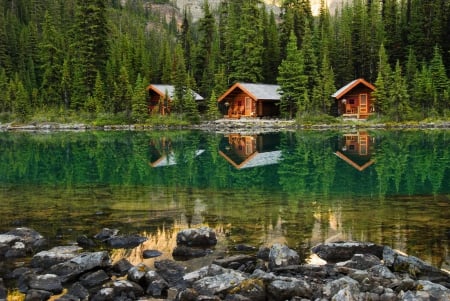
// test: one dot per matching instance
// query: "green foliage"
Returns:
(85, 55)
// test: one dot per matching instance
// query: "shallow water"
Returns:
(298, 188)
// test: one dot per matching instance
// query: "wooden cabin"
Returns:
(160, 98)
(247, 151)
(355, 150)
(250, 100)
(355, 99)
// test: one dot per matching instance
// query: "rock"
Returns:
(3, 291)
(85, 242)
(37, 295)
(106, 233)
(157, 288)
(250, 289)
(334, 287)
(125, 242)
(171, 271)
(30, 237)
(125, 288)
(151, 254)
(78, 290)
(201, 237)
(435, 291)
(17, 250)
(121, 267)
(92, 279)
(185, 252)
(50, 283)
(244, 248)
(263, 253)
(228, 261)
(281, 256)
(45, 259)
(69, 270)
(213, 285)
(210, 270)
(286, 288)
(137, 273)
(361, 261)
(342, 251)
(381, 271)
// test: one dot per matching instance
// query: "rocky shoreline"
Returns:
(226, 125)
(348, 271)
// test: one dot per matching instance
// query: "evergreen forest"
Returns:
(93, 59)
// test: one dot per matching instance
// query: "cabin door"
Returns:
(363, 103)
(248, 106)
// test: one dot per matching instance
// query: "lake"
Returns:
(298, 188)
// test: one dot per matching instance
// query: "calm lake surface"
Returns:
(298, 188)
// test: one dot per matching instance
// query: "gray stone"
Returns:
(287, 288)
(361, 261)
(219, 283)
(69, 270)
(121, 267)
(347, 293)
(227, 261)
(249, 289)
(342, 251)
(210, 270)
(125, 242)
(78, 290)
(48, 282)
(137, 273)
(93, 279)
(106, 233)
(281, 256)
(171, 271)
(381, 271)
(46, 259)
(332, 288)
(203, 236)
(188, 252)
(151, 254)
(37, 295)
(3, 291)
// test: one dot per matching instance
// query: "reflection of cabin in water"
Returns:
(247, 151)
(355, 149)
(162, 154)
(250, 100)
(355, 100)
(160, 98)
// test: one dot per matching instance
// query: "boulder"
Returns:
(92, 279)
(3, 291)
(125, 242)
(121, 267)
(50, 283)
(210, 270)
(285, 288)
(251, 289)
(213, 285)
(106, 233)
(347, 284)
(203, 236)
(342, 251)
(45, 259)
(361, 262)
(137, 273)
(30, 237)
(281, 256)
(78, 290)
(185, 252)
(34, 295)
(171, 271)
(151, 254)
(71, 269)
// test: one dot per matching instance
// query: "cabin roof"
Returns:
(348, 87)
(256, 91)
(170, 90)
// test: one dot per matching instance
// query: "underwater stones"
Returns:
(201, 237)
(342, 251)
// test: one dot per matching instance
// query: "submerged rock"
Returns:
(342, 251)
(197, 237)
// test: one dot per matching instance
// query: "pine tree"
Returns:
(248, 49)
(271, 48)
(440, 82)
(139, 108)
(399, 107)
(19, 99)
(292, 80)
(326, 86)
(99, 95)
(213, 110)
(179, 80)
(4, 99)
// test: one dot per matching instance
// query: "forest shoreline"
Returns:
(227, 125)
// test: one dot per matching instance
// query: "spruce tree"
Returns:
(399, 107)
(139, 108)
(292, 80)
(271, 48)
(440, 82)
(213, 110)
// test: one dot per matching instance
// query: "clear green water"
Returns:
(302, 188)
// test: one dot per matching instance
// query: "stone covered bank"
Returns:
(349, 271)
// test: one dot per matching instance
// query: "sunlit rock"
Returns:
(45, 259)
(203, 236)
(219, 283)
(287, 288)
(48, 282)
(281, 256)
